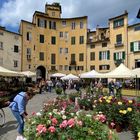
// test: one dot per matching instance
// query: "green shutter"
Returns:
(115, 56)
(100, 55)
(108, 55)
(123, 55)
(131, 46)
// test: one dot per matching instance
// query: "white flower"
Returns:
(50, 113)
(88, 115)
(62, 112)
(54, 111)
(64, 117)
(33, 122)
(72, 114)
(48, 122)
(38, 114)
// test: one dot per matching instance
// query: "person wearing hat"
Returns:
(18, 108)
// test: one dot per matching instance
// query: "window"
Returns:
(81, 40)
(73, 24)
(119, 55)
(41, 56)
(66, 50)
(104, 55)
(104, 67)
(81, 25)
(81, 68)
(29, 66)
(53, 40)
(137, 28)
(53, 14)
(42, 23)
(41, 38)
(64, 23)
(16, 48)
(66, 67)
(118, 23)
(72, 40)
(119, 39)
(92, 46)
(60, 67)
(1, 45)
(1, 61)
(28, 53)
(15, 63)
(53, 68)
(92, 56)
(92, 67)
(135, 46)
(104, 44)
(81, 57)
(66, 35)
(73, 57)
(52, 25)
(29, 36)
(60, 50)
(52, 58)
(61, 34)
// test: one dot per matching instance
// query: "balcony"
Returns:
(118, 44)
(72, 62)
(29, 57)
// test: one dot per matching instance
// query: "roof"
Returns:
(134, 25)
(126, 13)
(28, 22)
(138, 15)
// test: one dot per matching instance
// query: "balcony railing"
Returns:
(118, 44)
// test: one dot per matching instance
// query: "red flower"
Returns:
(71, 122)
(63, 124)
(52, 129)
(54, 121)
(41, 129)
(33, 113)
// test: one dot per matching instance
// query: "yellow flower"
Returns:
(129, 109)
(108, 101)
(130, 101)
(105, 97)
(119, 103)
(120, 111)
(124, 112)
(139, 134)
(100, 100)
(110, 97)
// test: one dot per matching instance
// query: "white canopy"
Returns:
(6, 72)
(70, 77)
(90, 74)
(58, 75)
(136, 72)
(28, 73)
(120, 72)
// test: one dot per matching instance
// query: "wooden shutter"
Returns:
(108, 55)
(123, 55)
(100, 55)
(115, 56)
(131, 46)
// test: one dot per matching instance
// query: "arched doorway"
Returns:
(41, 72)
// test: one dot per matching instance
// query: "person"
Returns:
(64, 86)
(18, 108)
(111, 87)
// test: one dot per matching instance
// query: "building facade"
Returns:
(10, 49)
(54, 44)
(118, 43)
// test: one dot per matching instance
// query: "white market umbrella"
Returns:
(70, 77)
(58, 75)
(28, 73)
(7, 72)
(136, 72)
(120, 72)
(91, 74)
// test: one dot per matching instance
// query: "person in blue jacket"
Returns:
(18, 108)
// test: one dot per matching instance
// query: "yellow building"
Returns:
(54, 44)
(10, 49)
(118, 43)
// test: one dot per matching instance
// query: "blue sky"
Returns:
(98, 11)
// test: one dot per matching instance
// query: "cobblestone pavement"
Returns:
(9, 131)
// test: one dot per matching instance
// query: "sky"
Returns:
(98, 11)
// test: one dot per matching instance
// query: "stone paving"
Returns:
(9, 131)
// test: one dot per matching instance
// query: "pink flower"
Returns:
(80, 123)
(52, 129)
(33, 113)
(41, 129)
(54, 121)
(112, 124)
(63, 124)
(71, 122)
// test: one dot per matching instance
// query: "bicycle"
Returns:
(2, 117)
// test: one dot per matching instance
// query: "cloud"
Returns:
(98, 12)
